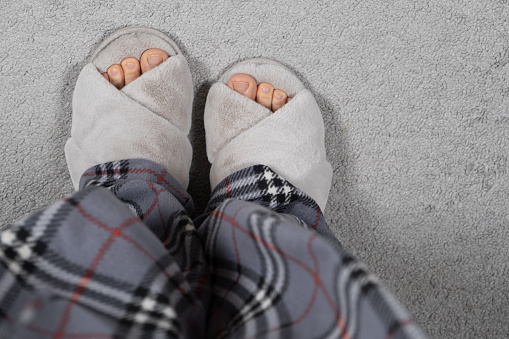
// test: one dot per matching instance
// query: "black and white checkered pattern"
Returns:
(149, 312)
(109, 174)
(261, 185)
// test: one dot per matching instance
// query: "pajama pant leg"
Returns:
(278, 271)
(118, 259)
(123, 258)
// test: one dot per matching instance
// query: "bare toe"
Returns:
(278, 99)
(152, 58)
(243, 84)
(116, 75)
(131, 68)
(264, 94)
(288, 100)
(105, 75)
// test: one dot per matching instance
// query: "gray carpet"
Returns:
(415, 97)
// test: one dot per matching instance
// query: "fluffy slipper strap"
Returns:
(242, 133)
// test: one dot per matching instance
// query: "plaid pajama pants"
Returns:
(125, 257)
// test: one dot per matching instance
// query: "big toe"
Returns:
(152, 58)
(243, 84)
(131, 68)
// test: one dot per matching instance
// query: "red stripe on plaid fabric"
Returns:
(318, 285)
(318, 212)
(228, 192)
(163, 222)
(85, 279)
(125, 237)
(397, 326)
(160, 177)
(106, 227)
(159, 208)
(341, 323)
(233, 222)
(155, 202)
(94, 221)
(59, 333)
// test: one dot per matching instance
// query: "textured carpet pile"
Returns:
(415, 97)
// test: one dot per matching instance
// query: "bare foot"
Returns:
(264, 93)
(131, 68)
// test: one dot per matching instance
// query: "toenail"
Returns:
(154, 60)
(266, 89)
(114, 71)
(240, 87)
(278, 95)
(129, 65)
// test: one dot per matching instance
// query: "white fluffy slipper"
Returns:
(291, 141)
(149, 118)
